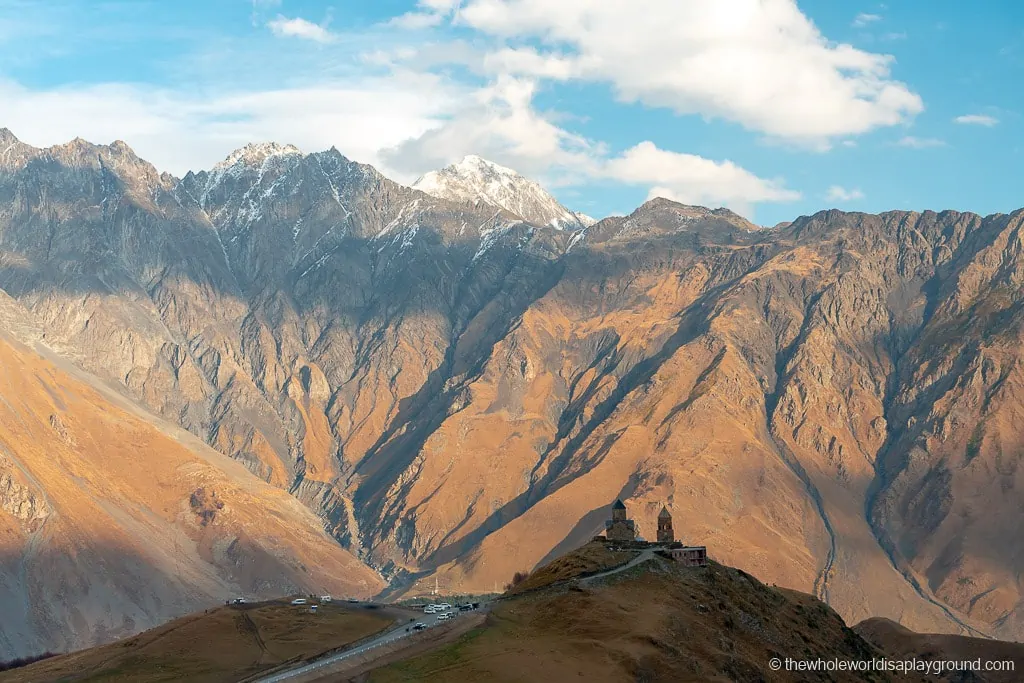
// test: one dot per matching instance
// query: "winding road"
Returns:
(402, 629)
(644, 556)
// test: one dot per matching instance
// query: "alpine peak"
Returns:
(257, 153)
(480, 181)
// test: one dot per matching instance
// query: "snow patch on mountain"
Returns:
(479, 181)
(256, 153)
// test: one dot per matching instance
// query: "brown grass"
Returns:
(590, 559)
(226, 644)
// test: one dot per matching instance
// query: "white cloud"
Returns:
(920, 143)
(416, 20)
(862, 20)
(408, 122)
(760, 63)
(299, 28)
(181, 131)
(497, 122)
(977, 120)
(503, 126)
(429, 13)
(837, 193)
(692, 179)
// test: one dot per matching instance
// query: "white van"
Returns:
(299, 601)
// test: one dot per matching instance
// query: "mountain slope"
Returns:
(109, 526)
(902, 644)
(480, 182)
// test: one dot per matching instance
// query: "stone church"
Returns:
(622, 530)
(619, 528)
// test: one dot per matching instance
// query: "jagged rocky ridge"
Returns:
(831, 405)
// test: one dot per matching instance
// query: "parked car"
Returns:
(325, 598)
(419, 626)
(443, 616)
(299, 601)
(429, 609)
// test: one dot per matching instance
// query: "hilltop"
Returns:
(656, 621)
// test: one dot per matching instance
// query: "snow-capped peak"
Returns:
(472, 164)
(253, 154)
(477, 180)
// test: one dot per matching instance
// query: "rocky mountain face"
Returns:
(458, 391)
(480, 182)
(112, 521)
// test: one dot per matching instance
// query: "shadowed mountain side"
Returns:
(900, 643)
(109, 525)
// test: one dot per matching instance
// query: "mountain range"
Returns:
(289, 372)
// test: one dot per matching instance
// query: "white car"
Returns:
(444, 606)
(299, 601)
(443, 616)
(325, 598)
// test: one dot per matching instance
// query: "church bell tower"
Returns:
(665, 533)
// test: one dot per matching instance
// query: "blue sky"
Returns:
(770, 107)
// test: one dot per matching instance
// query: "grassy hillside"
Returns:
(657, 621)
(224, 644)
(589, 559)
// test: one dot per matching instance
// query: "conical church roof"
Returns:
(619, 505)
(664, 513)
